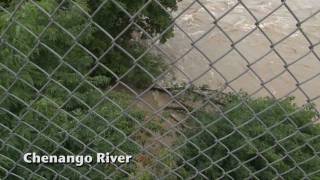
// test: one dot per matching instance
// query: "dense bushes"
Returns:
(280, 140)
(54, 81)
(55, 98)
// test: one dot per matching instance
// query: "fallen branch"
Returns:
(197, 92)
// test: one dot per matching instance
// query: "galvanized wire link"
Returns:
(161, 156)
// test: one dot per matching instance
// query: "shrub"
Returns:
(51, 101)
(267, 140)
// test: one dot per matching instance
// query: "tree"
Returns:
(50, 101)
(112, 19)
(120, 19)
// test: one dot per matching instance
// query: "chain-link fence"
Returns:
(159, 89)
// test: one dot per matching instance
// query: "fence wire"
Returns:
(60, 96)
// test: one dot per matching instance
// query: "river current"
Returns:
(206, 57)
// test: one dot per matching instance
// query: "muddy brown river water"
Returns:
(229, 64)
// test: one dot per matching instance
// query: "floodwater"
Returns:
(204, 54)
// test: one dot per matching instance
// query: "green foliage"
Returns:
(6, 3)
(265, 140)
(111, 25)
(137, 74)
(52, 98)
(56, 65)
(114, 21)
(28, 68)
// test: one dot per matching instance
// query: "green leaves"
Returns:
(53, 78)
(264, 134)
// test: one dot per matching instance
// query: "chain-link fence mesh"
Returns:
(133, 78)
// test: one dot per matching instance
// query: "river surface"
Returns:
(204, 54)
